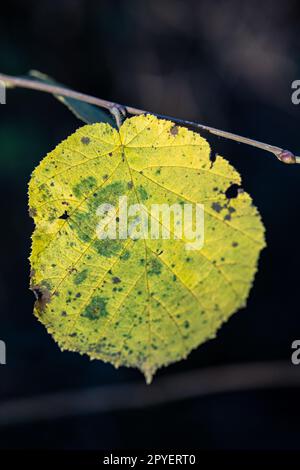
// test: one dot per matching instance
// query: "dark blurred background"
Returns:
(228, 64)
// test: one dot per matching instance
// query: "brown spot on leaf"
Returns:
(42, 296)
(32, 212)
(32, 273)
(72, 270)
(174, 130)
(85, 140)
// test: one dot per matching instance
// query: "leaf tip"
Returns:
(148, 374)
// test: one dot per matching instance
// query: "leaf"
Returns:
(138, 303)
(84, 111)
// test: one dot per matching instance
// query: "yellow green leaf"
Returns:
(141, 303)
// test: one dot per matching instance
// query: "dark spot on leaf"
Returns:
(212, 157)
(72, 270)
(96, 309)
(142, 192)
(85, 140)
(154, 267)
(216, 207)
(64, 216)
(116, 280)
(174, 130)
(107, 247)
(80, 277)
(234, 244)
(84, 186)
(232, 191)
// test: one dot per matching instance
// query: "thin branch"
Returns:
(137, 395)
(116, 109)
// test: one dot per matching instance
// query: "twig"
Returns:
(169, 389)
(117, 110)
